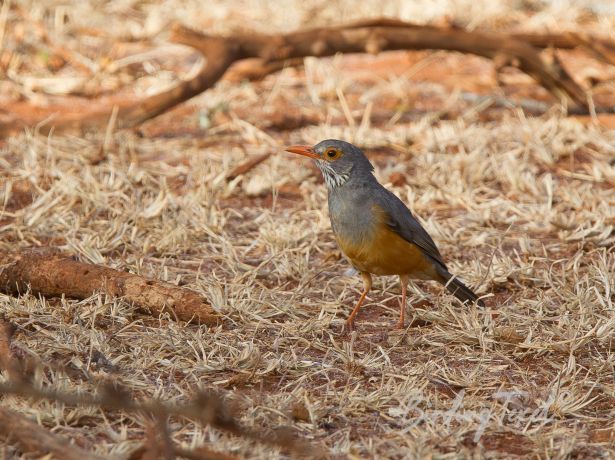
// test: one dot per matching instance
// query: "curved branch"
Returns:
(373, 39)
(220, 54)
(603, 50)
(372, 36)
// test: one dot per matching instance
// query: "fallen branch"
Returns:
(51, 274)
(205, 408)
(15, 427)
(247, 165)
(199, 453)
(204, 453)
(8, 362)
(33, 438)
(381, 35)
(257, 69)
(603, 50)
(272, 52)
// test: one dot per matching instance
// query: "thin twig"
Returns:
(247, 165)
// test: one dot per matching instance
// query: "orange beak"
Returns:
(304, 150)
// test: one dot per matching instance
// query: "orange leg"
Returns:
(403, 279)
(367, 285)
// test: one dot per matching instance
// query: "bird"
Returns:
(375, 230)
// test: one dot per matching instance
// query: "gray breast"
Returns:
(351, 214)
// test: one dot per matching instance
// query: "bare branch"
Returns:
(248, 165)
(15, 427)
(31, 437)
(269, 53)
(205, 407)
(47, 272)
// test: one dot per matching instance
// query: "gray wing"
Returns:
(402, 222)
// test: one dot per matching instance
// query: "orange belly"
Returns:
(387, 253)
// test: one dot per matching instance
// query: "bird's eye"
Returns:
(332, 154)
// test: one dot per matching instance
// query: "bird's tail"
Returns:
(458, 289)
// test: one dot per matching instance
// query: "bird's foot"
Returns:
(349, 326)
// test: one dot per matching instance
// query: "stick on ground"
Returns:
(31, 437)
(248, 165)
(52, 274)
(17, 428)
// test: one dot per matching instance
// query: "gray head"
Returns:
(337, 160)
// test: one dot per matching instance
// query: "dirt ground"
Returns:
(519, 198)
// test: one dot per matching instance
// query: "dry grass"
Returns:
(522, 208)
